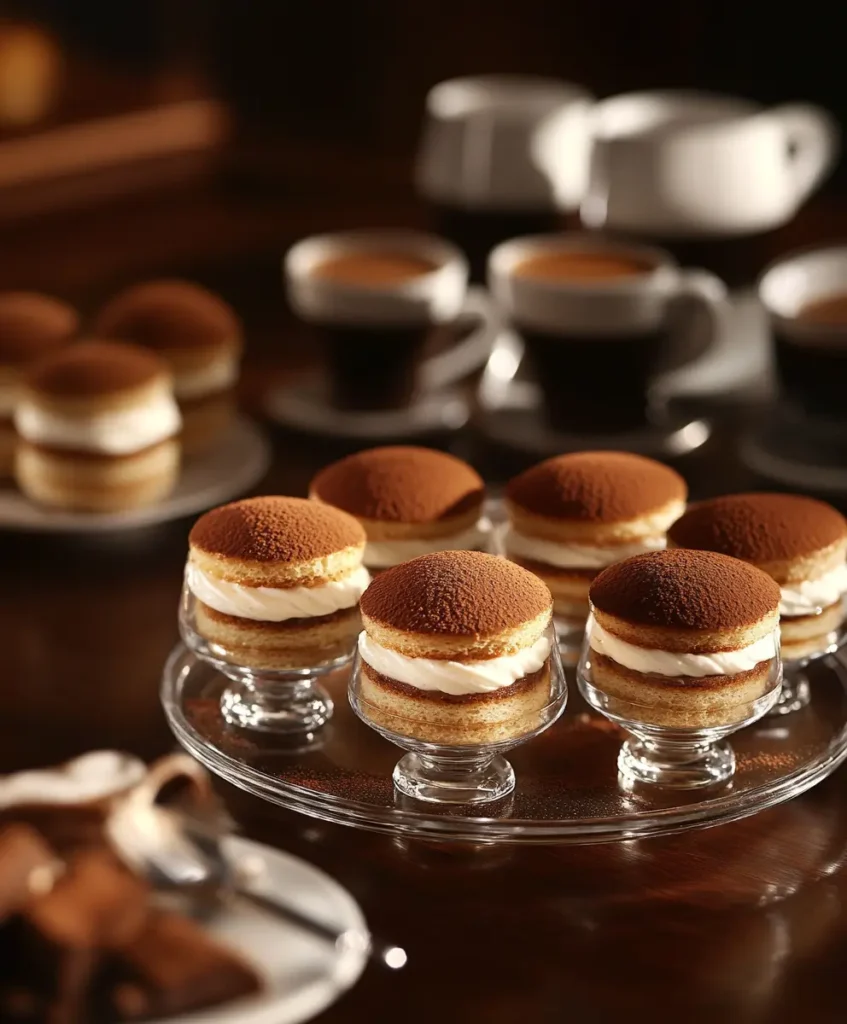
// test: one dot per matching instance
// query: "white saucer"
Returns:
(302, 974)
(238, 462)
(305, 407)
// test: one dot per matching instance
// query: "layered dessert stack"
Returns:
(456, 649)
(684, 639)
(409, 500)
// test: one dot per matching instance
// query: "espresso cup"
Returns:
(805, 296)
(374, 298)
(694, 164)
(598, 320)
(500, 156)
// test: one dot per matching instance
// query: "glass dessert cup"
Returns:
(663, 751)
(285, 699)
(796, 693)
(461, 761)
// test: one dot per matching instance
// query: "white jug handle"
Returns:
(813, 138)
(462, 359)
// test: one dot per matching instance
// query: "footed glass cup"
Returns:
(458, 759)
(663, 749)
(796, 692)
(285, 699)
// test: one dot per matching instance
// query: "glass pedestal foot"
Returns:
(676, 764)
(278, 705)
(456, 780)
(794, 696)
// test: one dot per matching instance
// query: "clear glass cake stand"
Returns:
(567, 785)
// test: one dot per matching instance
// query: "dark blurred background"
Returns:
(356, 73)
(175, 135)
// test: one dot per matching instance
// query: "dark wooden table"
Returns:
(740, 923)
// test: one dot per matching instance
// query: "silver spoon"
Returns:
(182, 852)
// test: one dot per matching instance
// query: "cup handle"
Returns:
(813, 138)
(471, 353)
(710, 295)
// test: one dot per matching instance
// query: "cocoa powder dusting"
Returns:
(401, 484)
(596, 487)
(169, 315)
(760, 527)
(684, 589)
(275, 529)
(95, 368)
(32, 325)
(457, 593)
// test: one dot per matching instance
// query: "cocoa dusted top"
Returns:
(684, 589)
(94, 368)
(596, 487)
(32, 325)
(400, 484)
(458, 593)
(760, 528)
(169, 315)
(275, 529)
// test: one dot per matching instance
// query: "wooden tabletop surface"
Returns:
(741, 923)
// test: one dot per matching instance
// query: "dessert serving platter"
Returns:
(236, 463)
(568, 789)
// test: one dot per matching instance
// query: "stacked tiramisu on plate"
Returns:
(800, 542)
(456, 649)
(31, 327)
(98, 427)
(276, 581)
(410, 501)
(573, 515)
(685, 639)
(200, 338)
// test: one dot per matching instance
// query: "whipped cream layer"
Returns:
(276, 604)
(808, 597)
(454, 677)
(678, 663)
(382, 554)
(116, 432)
(207, 380)
(576, 556)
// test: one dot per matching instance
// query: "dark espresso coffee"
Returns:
(477, 232)
(372, 368)
(812, 364)
(373, 269)
(565, 265)
(595, 384)
(591, 382)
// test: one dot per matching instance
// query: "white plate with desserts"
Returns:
(301, 974)
(237, 463)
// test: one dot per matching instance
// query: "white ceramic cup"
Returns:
(811, 358)
(505, 142)
(597, 345)
(398, 309)
(691, 164)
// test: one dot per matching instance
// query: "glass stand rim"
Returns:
(182, 666)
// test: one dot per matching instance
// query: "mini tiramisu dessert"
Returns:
(410, 501)
(98, 429)
(684, 639)
(800, 542)
(198, 335)
(31, 327)
(456, 649)
(275, 582)
(573, 515)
